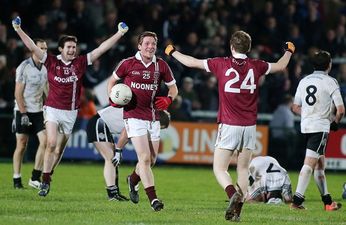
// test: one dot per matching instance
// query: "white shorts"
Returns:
(136, 127)
(236, 137)
(271, 182)
(64, 118)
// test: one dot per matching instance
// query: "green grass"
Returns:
(191, 196)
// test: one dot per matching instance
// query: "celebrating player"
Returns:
(238, 78)
(268, 181)
(143, 73)
(65, 73)
(314, 100)
(31, 86)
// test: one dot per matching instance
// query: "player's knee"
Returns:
(218, 170)
(144, 160)
(306, 169)
(51, 145)
(21, 145)
(42, 145)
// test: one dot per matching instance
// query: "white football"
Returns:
(121, 94)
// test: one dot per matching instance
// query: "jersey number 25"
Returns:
(247, 84)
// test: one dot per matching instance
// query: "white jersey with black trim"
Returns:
(113, 117)
(261, 165)
(317, 94)
(35, 81)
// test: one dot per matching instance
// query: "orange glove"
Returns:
(289, 46)
(169, 50)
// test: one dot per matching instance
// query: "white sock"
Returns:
(17, 175)
(321, 181)
(304, 179)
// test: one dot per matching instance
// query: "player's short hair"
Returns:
(66, 38)
(321, 60)
(146, 34)
(241, 42)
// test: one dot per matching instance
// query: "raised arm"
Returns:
(28, 42)
(282, 63)
(187, 60)
(107, 44)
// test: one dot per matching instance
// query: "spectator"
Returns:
(282, 133)
(208, 92)
(189, 95)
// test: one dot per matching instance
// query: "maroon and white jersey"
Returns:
(144, 81)
(65, 81)
(238, 87)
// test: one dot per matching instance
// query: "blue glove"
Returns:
(16, 22)
(123, 28)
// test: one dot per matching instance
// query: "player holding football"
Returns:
(143, 73)
(65, 73)
(268, 181)
(314, 100)
(100, 130)
(238, 78)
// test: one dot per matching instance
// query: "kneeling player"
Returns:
(268, 181)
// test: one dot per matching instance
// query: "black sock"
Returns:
(112, 191)
(298, 200)
(36, 175)
(17, 180)
(327, 199)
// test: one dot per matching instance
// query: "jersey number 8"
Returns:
(310, 97)
(247, 84)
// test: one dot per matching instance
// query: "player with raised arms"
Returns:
(238, 87)
(65, 73)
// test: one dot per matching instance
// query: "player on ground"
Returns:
(31, 86)
(314, 100)
(268, 181)
(143, 73)
(238, 78)
(65, 73)
(101, 128)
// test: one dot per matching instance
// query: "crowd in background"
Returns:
(201, 28)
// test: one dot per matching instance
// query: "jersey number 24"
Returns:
(247, 84)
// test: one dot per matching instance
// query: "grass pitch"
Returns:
(191, 196)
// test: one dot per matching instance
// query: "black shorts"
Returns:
(98, 131)
(317, 142)
(35, 118)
